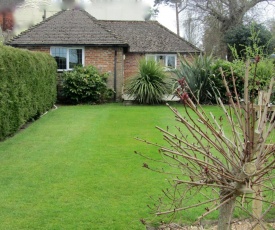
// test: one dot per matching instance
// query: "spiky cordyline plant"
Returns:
(150, 84)
(237, 167)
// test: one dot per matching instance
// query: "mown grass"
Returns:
(75, 168)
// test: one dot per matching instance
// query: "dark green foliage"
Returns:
(265, 70)
(243, 36)
(150, 84)
(197, 74)
(27, 87)
(255, 49)
(227, 67)
(85, 85)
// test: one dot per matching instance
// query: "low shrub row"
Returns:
(27, 87)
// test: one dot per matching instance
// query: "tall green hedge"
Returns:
(27, 87)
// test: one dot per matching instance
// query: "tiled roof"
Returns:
(149, 36)
(69, 27)
(77, 27)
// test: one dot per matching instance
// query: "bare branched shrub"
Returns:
(230, 168)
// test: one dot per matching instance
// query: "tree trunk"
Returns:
(177, 19)
(226, 212)
(257, 205)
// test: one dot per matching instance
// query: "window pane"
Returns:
(75, 57)
(161, 59)
(150, 57)
(171, 61)
(60, 55)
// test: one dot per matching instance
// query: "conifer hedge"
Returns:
(27, 87)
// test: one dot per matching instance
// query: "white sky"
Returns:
(166, 16)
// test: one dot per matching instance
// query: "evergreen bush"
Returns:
(197, 74)
(85, 85)
(227, 67)
(27, 87)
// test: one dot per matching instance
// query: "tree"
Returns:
(270, 24)
(226, 157)
(228, 14)
(224, 14)
(241, 36)
(179, 5)
(191, 28)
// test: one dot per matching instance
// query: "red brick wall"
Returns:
(131, 64)
(132, 59)
(103, 58)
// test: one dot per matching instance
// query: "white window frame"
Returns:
(68, 54)
(155, 56)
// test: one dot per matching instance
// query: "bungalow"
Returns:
(75, 37)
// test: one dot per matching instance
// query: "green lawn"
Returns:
(75, 168)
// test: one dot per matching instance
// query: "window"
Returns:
(67, 58)
(168, 60)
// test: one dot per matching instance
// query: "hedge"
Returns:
(27, 87)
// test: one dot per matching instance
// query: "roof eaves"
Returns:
(65, 45)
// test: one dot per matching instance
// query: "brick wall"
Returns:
(103, 58)
(132, 59)
(131, 64)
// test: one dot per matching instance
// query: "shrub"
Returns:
(227, 67)
(253, 49)
(197, 74)
(27, 87)
(223, 160)
(150, 84)
(85, 85)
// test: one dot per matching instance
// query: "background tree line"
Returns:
(220, 22)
